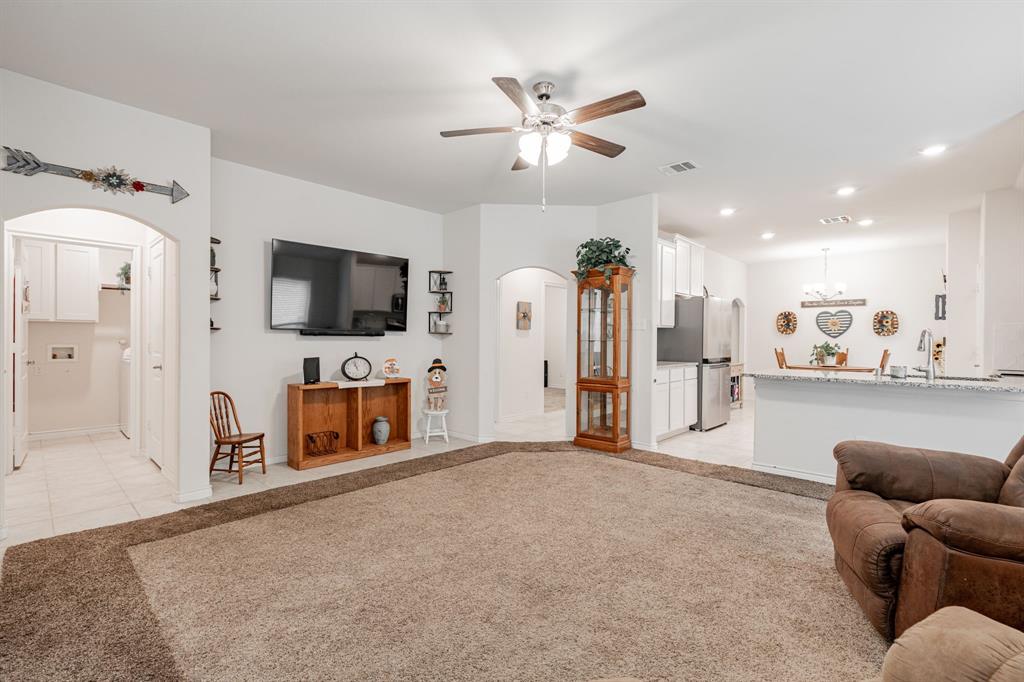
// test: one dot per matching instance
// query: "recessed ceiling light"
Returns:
(866, 222)
(934, 150)
(846, 191)
(727, 211)
(767, 235)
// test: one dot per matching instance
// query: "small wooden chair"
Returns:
(885, 359)
(842, 357)
(222, 414)
(780, 357)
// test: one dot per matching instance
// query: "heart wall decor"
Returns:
(834, 324)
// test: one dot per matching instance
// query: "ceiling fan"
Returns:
(549, 130)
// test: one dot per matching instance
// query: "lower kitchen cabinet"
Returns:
(675, 399)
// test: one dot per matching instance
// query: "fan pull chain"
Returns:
(544, 175)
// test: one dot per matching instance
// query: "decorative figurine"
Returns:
(437, 389)
(391, 368)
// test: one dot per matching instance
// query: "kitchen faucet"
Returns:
(925, 344)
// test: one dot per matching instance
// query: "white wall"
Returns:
(556, 306)
(635, 223)
(1002, 291)
(461, 350)
(255, 364)
(903, 280)
(71, 128)
(963, 239)
(68, 396)
(521, 351)
(516, 236)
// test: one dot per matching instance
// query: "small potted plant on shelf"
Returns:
(124, 276)
(600, 254)
(824, 354)
(443, 303)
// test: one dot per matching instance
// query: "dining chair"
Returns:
(885, 359)
(227, 432)
(780, 357)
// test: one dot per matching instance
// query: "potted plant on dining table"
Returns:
(824, 354)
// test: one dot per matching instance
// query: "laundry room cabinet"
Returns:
(63, 281)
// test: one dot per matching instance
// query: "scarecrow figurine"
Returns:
(437, 389)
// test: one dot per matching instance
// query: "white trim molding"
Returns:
(194, 495)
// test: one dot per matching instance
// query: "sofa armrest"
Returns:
(983, 528)
(895, 472)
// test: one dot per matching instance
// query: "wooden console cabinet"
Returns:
(349, 409)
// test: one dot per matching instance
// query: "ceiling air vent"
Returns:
(836, 220)
(678, 167)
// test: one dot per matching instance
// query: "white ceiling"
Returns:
(778, 103)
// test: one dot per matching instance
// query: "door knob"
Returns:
(158, 367)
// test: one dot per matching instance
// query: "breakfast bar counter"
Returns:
(800, 415)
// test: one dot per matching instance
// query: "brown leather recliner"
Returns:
(916, 530)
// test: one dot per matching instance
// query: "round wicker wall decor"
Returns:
(885, 323)
(785, 322)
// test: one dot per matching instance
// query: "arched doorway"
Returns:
(532, 369)
(90, 413)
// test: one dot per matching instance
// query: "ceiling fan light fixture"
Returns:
(531, 144)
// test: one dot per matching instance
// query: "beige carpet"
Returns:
(524, 566)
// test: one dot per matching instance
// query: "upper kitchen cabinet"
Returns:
(666, 283)
(689, 267)
(62, 280)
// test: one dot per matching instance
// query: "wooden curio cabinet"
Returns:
(604, 324)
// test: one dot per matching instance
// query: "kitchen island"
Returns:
(801, 415)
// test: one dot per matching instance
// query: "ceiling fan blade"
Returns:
(596, 144)
(520, 164)
(607, 107)
(476, 131)
(514, 90)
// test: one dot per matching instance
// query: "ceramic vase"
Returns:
(381, 430)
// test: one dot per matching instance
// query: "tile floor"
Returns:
(70, 484)
(543, 427)
(73, 484)
(731, 444)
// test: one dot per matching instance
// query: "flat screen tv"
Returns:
(324, 290)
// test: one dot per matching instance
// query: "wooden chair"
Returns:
(222, 414)
(885, 359)
(842, 357)
(780, 357)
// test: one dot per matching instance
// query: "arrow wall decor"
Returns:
(110, 179)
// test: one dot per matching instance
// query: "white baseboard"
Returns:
(471, 438)
(71, 433)
(3, 533)
(653, 447)
(194, 495)
(793, 473)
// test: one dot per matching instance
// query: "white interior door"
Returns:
(554, 333)
(19, 402)
(154, 365)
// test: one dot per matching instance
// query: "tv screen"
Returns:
(319, 288)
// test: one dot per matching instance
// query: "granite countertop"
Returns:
(1007, 384)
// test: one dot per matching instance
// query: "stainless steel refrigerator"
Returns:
(703, 334)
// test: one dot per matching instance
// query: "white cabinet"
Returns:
(661, 407)
(690, 401)
(683, 251)
(696, 270)
(666, 284)
(676, 406)
(63, 281)
(78, 283)
(675, 399)
(689, 267)
(37, 260)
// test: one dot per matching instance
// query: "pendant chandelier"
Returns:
(825, 290)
